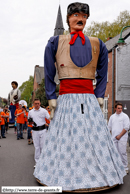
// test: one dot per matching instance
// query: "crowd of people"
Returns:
(21, 125)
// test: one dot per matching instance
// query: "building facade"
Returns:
(118, 85)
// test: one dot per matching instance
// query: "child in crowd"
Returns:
(25, 120)
(29, 136)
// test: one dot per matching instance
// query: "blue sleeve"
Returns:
(102, 67)
(49, 67)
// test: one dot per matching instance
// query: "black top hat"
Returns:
(78, 7)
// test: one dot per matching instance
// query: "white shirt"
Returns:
(117, 123)
(39, 116)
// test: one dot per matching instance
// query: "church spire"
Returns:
(59, 28)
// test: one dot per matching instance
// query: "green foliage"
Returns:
(40, 94)
(106, 29)
(26, 90)
(3, 102)
(57, 90)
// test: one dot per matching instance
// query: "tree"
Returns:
(106, 29)
(26, 90)
(3, 102)
(40, 94)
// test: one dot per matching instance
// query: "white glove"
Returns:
(100, 101)
(52, 106)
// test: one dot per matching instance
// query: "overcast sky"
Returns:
(26, 26)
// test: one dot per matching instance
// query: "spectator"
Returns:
(26, 120)
(119, 125)
(20, 121)
(3, 116)
(15, 125)
(29, 131)
(29, 137)
(6, 119)
(37, 116)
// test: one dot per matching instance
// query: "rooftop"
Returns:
(113, 41)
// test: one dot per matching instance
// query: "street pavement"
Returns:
(16, 161)
(17, 165)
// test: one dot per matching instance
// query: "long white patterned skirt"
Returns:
(78, 151)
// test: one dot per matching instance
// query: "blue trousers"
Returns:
(19, 130)
(29, 133)
(3, 130)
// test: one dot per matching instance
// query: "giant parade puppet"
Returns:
(78, 154)
(13, 100)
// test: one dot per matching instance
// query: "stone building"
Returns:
(118, 85)
(38, 76)
(59, 28)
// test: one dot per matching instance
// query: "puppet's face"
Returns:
(77, 21)
(14, 86)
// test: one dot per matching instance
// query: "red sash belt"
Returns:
(17, 104)
(68, 86)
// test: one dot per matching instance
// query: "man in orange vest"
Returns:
(20, 121)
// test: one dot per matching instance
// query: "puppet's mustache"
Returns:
(80, 23)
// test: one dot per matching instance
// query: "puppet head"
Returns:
(77, 14)
(14, 84)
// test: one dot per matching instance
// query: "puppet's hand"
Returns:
(100, 101)
(52, 105)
